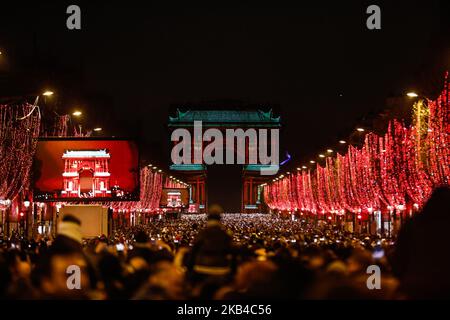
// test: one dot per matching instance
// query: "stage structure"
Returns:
(196, 174)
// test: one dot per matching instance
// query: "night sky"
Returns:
(316, 64)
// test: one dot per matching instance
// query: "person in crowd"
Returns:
(211, 255)
(69, 237)
(63, 276)
(166, 282)
(113, 277)
(421, 260)
(19, 264)
(255, 280)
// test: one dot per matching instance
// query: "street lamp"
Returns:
(78, 114)
(412, 94)
(98, 129)
(342, 142)
(47, 93)
(360, 129)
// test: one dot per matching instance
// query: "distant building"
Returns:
(223, 119)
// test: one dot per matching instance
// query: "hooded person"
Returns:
(69, 237)
(212, 250)
(141, 247)
(421, 260)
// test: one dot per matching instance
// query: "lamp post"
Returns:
(27, 218)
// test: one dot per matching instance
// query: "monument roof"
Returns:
(86, 154)
(225, 117)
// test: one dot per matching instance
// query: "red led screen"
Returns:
(86, 169)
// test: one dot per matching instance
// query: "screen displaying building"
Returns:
(69, 169)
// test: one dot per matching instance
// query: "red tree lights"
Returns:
(151, 185)
(19, 129)
(396, 171)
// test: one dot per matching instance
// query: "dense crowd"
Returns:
(233, 256)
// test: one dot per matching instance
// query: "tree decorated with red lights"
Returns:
(19, 129)
(396, 171)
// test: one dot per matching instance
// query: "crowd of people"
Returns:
(233, 256)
